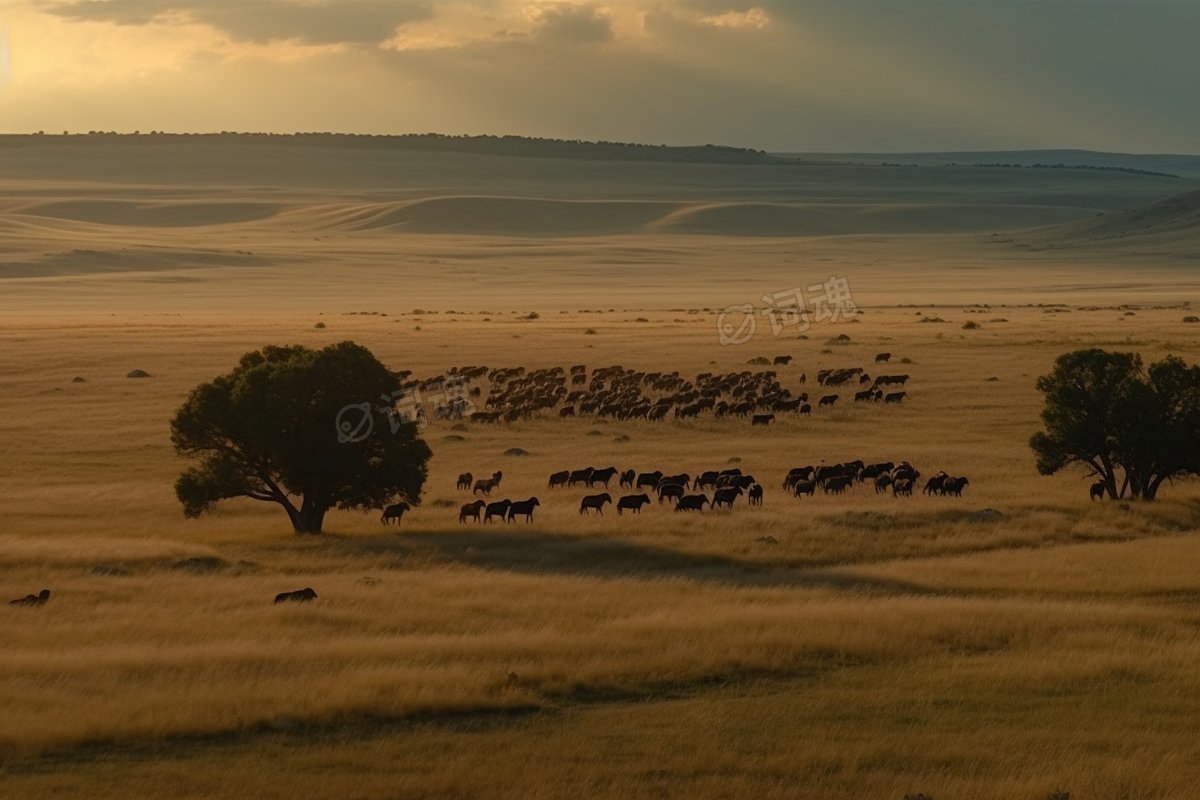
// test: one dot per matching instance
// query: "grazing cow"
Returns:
(784, 360)
(828, 400)
(955, 486)
(567, 411)
(465, 480)
(692, 502)
(559, 479)
(670, 491)
(762, 419)
(882, 482)
(394, 512)
(627, 479)
(1097, 490)
(725, 497)
(838, 485)
(755, 497)
(683, 479)
(471, 511)
(594, 502)
(601, 476)
(902, 487)
(38, 599)
(486, 486)
(805, 487)
(298, 596)
(499, 509)
(650, 479)
(805, 409)
(895, 397)
(936, 484)
(580, 476)
(522, 509)
(883, 358)
(633, 502)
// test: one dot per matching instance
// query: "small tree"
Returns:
(1133, 428)
(269, 431)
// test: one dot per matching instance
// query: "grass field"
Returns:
(878, 647)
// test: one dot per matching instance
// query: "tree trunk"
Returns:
(309, 519)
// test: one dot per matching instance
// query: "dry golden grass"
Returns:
(883, 646)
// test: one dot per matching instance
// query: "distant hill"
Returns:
(515, 146)
(1174, 219)
(1184, 166)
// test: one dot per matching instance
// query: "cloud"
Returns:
(756, 17)
(318, 22)
(573, 24)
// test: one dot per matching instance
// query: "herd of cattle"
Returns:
(620, 393)
(686, 492)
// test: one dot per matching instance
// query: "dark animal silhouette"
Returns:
(38, 599)
(955, 486)
(725, 497)
(883, 358)
(627, 478)
(902, 487)
(784, 360)
(762, 419)
(805, 487)
(298, 596)
(895, 397)
(559, 479)
(601, 476)
(580, 476)
(394, 512)
(486, 486)
(465, 480)
(1098, 490)
(594, 502)
(471, 511)
(650, 479)
(692, 502)
(755, 496)
(827, 400)
(523, 509)
(935, 484)
(633, 502)
(838, 485)
(670, 491)
(499, 509)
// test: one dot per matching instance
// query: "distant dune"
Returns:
(1171, 223)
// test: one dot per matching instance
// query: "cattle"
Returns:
(883, 358)
(805, 409)
(683, 479)
(394, 512)
(955, 486)
(298, 596)
(805, 487)
(38, 599)
(882, 482)
(566, 411)
(755, 496)
(523, 508)
(828, 400)
(838, 484)
(725, 497)
(595, 502)
(670, 491)
(485, 486)
(798, 474)
(692, 502)
(498, 509)
(633, 502)
(902, 487)
(580, 476)
(762, 419)
(559, 478)
(1098, 490)
(895, 397)
(627, 479)
(650, 479)
(784, 360)
(601, 476)
(471, 511)
(465, 480)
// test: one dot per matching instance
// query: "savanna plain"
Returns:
(1020, 641)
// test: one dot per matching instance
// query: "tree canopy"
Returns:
(269, 431)
(1134, 428)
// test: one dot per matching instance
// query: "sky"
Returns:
(781, 75)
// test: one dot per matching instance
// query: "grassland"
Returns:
(879, 647)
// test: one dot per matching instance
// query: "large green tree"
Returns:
(309, 430)
(1133, 428)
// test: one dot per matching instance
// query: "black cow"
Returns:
(465, 480)
(298, 596)
(595, 502)
(955, 486)
(692, 502)
(499, 509)
(670, 491)
(650, 479)
(38, 599)
(725, 497)
(601, 476)
(633, 502)
(838, 485)
(755, 497)
(1098, 490)
(762, 419)
(828, 400)
(394, 512)
(805, 487)
(895, 397)
(523, 508)
(471, 511)
(559, 479)
(627, 479)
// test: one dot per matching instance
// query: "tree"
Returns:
(298, 427)
(1133, 428)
